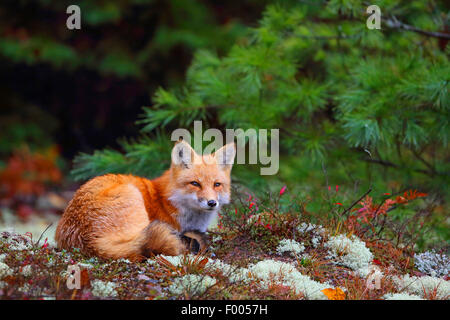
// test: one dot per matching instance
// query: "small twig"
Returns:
(382, 225)
(394, 23)
(427, 164)
(393, 165)
(42, 234)
(356, 202)
(382, 162)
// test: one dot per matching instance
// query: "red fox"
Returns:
(124, 216)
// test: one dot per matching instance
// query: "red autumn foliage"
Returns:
(409, 195)
(370, 211)
(28, 173)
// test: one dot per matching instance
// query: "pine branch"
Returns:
(393, 165)
(426, 163)
(394, 23)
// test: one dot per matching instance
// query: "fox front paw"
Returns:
(195, 241)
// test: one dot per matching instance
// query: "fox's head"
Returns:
(201, 183)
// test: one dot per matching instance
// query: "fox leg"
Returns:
(195, 240)
(160, 238)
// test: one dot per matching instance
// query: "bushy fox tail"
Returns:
(160, 238)
(157, 238)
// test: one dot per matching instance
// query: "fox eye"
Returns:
(195, 183)
(217, 184)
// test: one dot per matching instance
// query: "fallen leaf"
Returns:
(334, 294)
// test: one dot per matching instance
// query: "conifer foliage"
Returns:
(338, 91)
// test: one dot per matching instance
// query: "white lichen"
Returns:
(234, 274)
(291, 246)
(304, 228)
(124, 261)
(317, 232)
(176, 260)
(272, 271)
(5, 270)
(401, 296)
(240, 275)
(151, 262)
(432, 263)
(423, 286)
(15, 241)
(104, 289)
(27, 271)
(19, 246)
(316, 240)
(218, 265)
(30, 290)
(191, 284)
(350, 252)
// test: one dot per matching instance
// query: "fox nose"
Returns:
(212, 203)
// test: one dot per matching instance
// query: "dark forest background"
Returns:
(81, 90)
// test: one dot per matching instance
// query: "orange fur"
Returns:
(124, 216)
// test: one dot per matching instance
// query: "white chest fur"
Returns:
(194, 220)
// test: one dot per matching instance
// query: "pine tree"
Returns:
(370, 104)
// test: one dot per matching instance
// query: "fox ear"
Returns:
(182, 154)
(225, 156)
